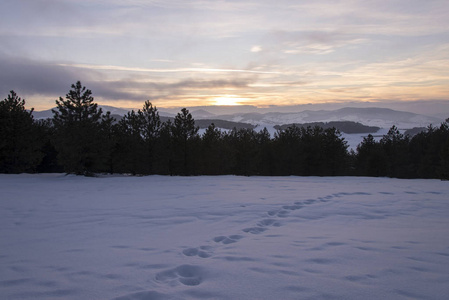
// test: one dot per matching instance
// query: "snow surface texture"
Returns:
(225, 237)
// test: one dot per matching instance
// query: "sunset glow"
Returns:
(228, 100)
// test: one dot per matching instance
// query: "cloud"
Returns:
(256, 49)
(138, 90)
(315, 42)
(269, 52)
(33, 77)
(167, 70)
(29, 77)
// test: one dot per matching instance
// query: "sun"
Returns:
(230, 100)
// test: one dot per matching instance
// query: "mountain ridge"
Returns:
(369, 116)
(373, 116)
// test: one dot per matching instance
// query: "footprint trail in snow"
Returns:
(191, 275)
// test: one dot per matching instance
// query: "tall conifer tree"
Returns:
(185, 133)
(151, 127)
(20, 144)
(77, 123)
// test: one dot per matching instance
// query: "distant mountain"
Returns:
(166, 114)
(369, 116)
(45, 114)
(114, 110)
(201, 114)
(435, 108)
(379, 117)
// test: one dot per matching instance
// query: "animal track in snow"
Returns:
(261, 226)
(192, 275)
(298, 205)
(184, 274)
(227, 239)
(203, 251)
(282, 213)
(269, 222)
(255, 230)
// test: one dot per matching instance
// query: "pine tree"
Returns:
(443, 168)
(108, 144)
(335, 150)
(395, 145)
(20, 142)
(47, 132)
(186, 138)
(77, 123)
(151, 126)
(165, 150)
(130, 147)
(312, 150)
(265, 155)
(211, 151)
(245, 144)
(371, 159)
(289, 156)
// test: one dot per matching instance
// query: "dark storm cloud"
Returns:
(33, 77)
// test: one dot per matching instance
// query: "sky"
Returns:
(247, 52)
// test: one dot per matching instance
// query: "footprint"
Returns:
(332, 244)
(227, 239)
(203, 251)
(292, 207)
(185, 274)
(282, 213)
(361, 193)
(120, 246)
(269, 222)
(254, 230)
(310, 201)
(272, 213)
(337, 195)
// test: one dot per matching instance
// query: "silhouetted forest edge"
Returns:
(342, 126)
(81, 139)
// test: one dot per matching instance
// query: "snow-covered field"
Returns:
(225, 237)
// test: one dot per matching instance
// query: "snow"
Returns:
(223, 237)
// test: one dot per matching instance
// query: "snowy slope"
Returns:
(223, 237)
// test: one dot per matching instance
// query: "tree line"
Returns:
(81, 139)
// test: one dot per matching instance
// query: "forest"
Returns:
(81, 139)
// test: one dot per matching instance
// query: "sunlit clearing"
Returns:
(228, 100)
